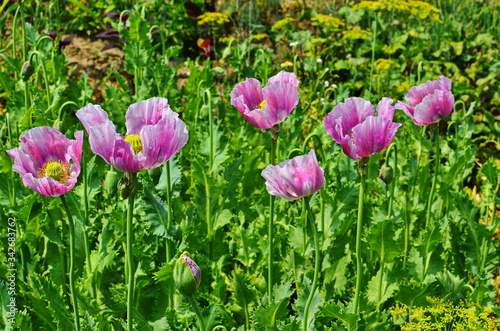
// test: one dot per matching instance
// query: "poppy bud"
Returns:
(387, 174)
(27, 70)
(187, 275)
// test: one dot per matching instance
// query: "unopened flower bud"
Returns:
(27, 70)
(110, 182)
(187, 275)
(387, 174)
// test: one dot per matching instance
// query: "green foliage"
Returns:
(218, 205)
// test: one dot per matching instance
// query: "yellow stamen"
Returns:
(56, 169)
(260, 105)
(135, 141)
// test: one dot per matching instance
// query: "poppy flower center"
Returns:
(135, 141)
(56, 169)
(260, 105)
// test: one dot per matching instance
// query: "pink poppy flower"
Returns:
(353, 125)
(154, 134)
(265, 107)
(295, 178)
(429, 102)
(47, 161)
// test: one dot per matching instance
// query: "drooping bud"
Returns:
(387, 174)
(187, 275)
(27, 70)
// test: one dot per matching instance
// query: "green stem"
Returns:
(317, 264)
(196, 308)
(168, 193)
(270, 274)
(14, 39)
(211, 128)
(407, 231)
(45, 78)
(86, 222)
(389, 216)
(434, 177)
(72, 262)
(359, 262)
(373, 53)
(130, 260)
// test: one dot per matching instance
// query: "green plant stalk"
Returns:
(46, 80)
(270, 234)
(86, 222)
(168, 247)
(210, 128)
(389, 216)
(130, 260)
(12, 186)
(196, 308)
(434, 178)
(407, 231)
(14, 39)
(72, 262)
(317, 264)
(168, 193)
(359, 229)
(373, 53)
(23, 31)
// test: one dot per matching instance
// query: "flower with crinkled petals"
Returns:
(295, 178)
(353, 125)
(47, 161)
(154, 134)
(265, 107)
(429, 102)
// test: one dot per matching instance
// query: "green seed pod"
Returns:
(187, 275)
(27, 70)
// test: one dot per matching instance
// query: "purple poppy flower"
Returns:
(295, 178)
(429, 102)
(265, 107)
(154, 134)
(353, 125)
(47, 161)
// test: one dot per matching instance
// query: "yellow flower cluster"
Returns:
(209, 17)
(447, 316)
(419, 8)
(383, 64)
(326, 20)
(228, 39)
(287, 64)
(424, 10)
(381, 4)
(403, 87)
(258, 36)
(282, 23)
(356, 33)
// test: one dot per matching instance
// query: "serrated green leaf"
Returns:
(175, 175)
(243, 295)
(222, 219)
(300, 304)
(385, 287)
(382, 241)
(340, 312)
(268, 316)
(155, 213)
